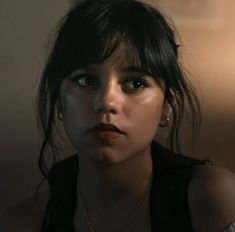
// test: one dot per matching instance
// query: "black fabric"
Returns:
(168, 199)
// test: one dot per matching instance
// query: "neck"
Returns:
(117, 187)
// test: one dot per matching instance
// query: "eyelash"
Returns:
(144, 84)
(141, 80)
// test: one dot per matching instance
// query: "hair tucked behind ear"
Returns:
(89, 34)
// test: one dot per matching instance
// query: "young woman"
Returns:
(112, 81)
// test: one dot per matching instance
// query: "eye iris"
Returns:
(85, 81)
(137, 84)
(89, 81)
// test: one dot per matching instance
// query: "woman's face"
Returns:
(113, 92)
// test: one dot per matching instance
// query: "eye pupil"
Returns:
(132, 84)
(137, 84)
(89, 81)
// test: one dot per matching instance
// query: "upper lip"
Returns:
(105, 126)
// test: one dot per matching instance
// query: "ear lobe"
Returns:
(166, 113)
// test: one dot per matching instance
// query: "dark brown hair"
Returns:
(89, 34)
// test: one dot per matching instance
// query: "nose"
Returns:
(108, 97)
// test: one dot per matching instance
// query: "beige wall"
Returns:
(207, 29)
(207, 32)
(24, 29)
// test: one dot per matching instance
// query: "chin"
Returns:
(108, 157)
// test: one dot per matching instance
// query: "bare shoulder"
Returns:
(25, 216)
(211, 197)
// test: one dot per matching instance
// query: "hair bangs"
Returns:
(92, 37)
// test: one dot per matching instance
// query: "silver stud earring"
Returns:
(164, 121)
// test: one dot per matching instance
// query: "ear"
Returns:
(166, 109)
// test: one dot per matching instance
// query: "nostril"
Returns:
(106, 105)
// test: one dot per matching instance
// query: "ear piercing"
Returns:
(164, 121)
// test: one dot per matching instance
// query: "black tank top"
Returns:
(168, 198)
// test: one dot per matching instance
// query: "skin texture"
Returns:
(211, 197)
(112, 174)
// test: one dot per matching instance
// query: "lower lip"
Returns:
(107, 135)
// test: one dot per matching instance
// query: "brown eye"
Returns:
(136, 83)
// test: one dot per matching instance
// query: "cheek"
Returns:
(75, 113)
(145, 118)
(148, 111)
(75, 105)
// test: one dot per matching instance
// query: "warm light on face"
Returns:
(115, 94)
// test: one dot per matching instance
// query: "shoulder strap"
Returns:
(168, 201)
